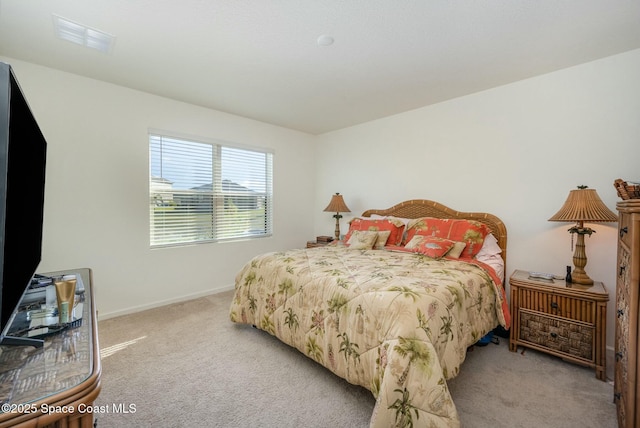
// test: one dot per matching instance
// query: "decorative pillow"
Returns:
(405, 221)
(456, 251)
(430, 246)
(469, 231)
(362, 240)
(395, 227)
(381, 241)
(415, 241)
(428, 226)
(390, 217)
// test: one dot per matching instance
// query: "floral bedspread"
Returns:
(396, 323)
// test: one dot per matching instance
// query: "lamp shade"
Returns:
(337, 205)
(584, 204)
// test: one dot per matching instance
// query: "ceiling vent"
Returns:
(83, 35)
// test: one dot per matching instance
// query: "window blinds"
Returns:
(203, 192)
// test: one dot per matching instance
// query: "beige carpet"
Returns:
(187, 365)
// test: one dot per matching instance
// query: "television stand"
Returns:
(54, 386)
(21, 341)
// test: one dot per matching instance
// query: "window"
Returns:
(207, 192)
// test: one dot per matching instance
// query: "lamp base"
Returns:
(337, 231)
(580, 278)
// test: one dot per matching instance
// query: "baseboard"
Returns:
(157, 304)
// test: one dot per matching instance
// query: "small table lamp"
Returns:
(338, 206)
(583, 205)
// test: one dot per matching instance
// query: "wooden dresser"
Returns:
(627, 365)
(566, 320)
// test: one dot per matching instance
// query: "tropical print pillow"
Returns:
(456, 251)
(469, 231)
(430, 246)
(383, 237)
(395, 227)
(362, 240)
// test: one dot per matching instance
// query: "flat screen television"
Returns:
(23, 151)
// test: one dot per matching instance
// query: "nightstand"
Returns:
(320, 241)
(313, 244)
(566, 320)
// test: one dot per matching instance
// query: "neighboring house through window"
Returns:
(202, 191)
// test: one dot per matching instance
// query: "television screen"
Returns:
(22, 175)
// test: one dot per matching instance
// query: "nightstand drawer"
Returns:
(541, 300)
(569, 337)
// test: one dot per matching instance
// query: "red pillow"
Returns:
(430, 246)
(429, 226)
(395, 237)
(470, 231)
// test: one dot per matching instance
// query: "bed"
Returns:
(396, 318)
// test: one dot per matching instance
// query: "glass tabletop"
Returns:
(29, 374)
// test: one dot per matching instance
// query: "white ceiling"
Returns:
(259, 58)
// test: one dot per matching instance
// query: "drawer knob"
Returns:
(618, 356)
(554, 335)
(623, 230)
(554, 305)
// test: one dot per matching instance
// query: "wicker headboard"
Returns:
(417, 208)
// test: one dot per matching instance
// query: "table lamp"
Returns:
(338, 206)
(583, 205)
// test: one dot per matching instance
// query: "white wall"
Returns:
(96, 202)
(515, 151)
